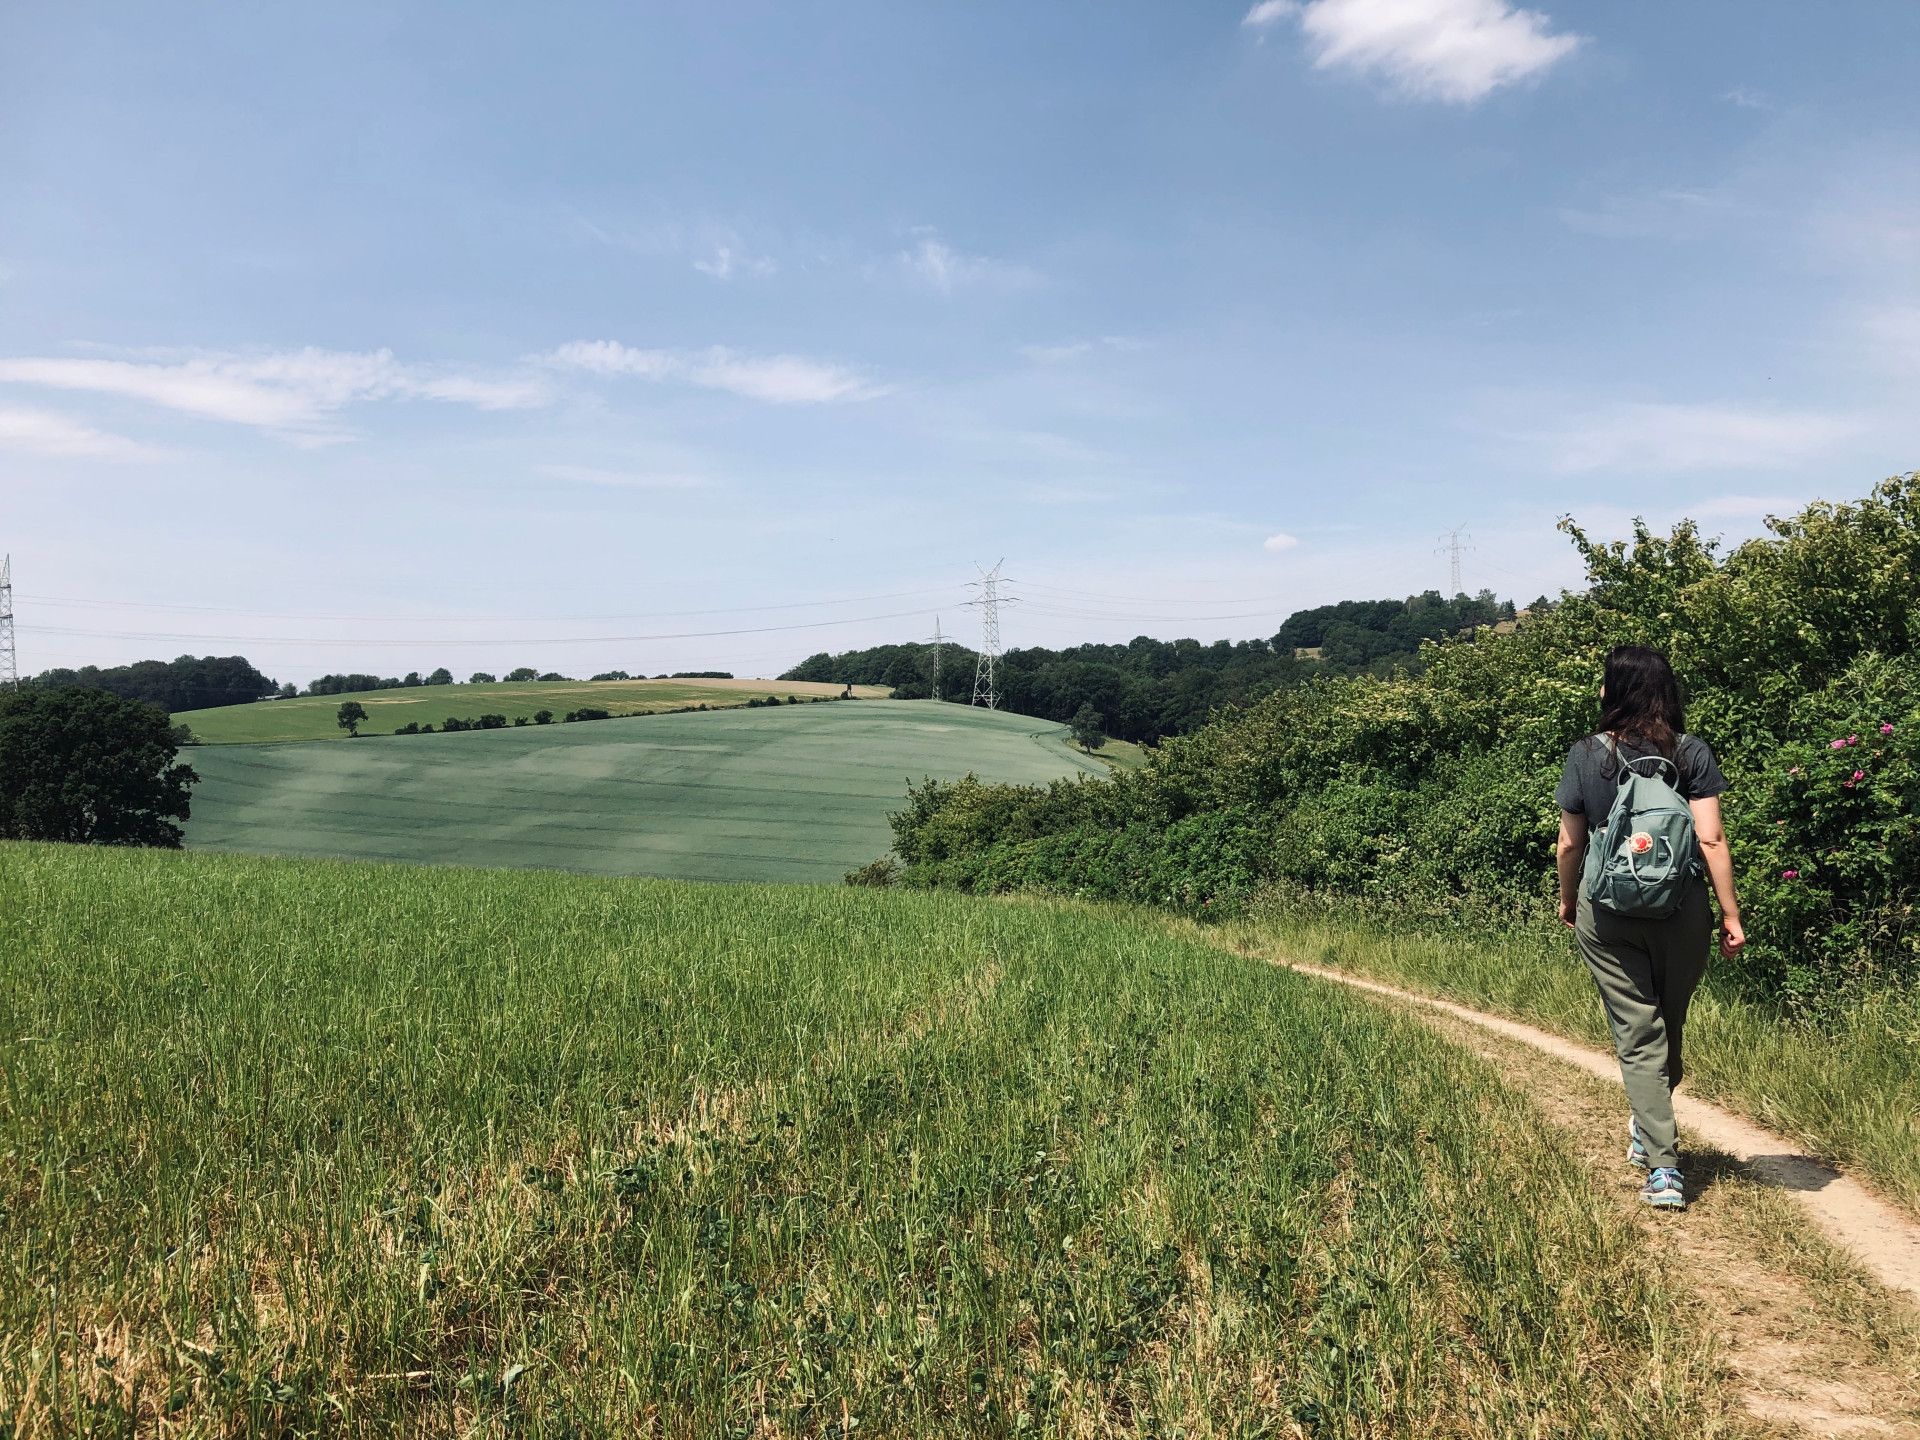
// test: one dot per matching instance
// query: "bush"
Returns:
(877, 873)
(89, 767)
(543, 717)
(1433, 789)
(412, 727)
(454, 724)
(586, 712)
(519, 720)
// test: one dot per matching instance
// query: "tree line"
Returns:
(1147, 689)
(1431, 789)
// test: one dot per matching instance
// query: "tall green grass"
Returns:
(1845, 1083)
(310, 1147)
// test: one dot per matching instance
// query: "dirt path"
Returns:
(1812, 1345)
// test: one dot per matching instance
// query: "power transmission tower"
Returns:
(1452, 547)
(937, 644)
(989, 606)
(9, 666)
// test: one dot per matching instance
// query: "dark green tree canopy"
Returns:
(189, 683)
(89, 767)
(1147, 689)
(350, 716)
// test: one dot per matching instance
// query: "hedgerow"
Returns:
(1800, 656)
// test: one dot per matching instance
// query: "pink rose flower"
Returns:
(1859, 774)
(1838, 745)
(1853, 739)
(1886, 729)
(1789, 874)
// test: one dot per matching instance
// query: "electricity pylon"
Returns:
(9, 665)
(1453, 549)
(989, 605)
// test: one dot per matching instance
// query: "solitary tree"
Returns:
(442, 676)
(1086, 727)
(89, 767)
(351, 713)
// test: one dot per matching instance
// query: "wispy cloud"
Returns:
(624, 479)
(1670, 214)
(776, 379)
(297, 392)
(1078, 349)
(41, 432)
(1748, 99)
(934, 263)
(1671, 438)
(1279, 543)
(724, 262)
(1458, 51)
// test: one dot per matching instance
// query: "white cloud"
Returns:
(1078, 349)
(296, 391)
(1748, 99)
(724, 262)
(933, 262)
(1268, 11)
(777, 379)
(610, 357)
(1279, 542)
(1668, 438)
(624, 479)
(1457, 51)
(41, 432)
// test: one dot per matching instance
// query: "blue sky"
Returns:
(381, 337)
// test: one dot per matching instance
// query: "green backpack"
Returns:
(1641, 863)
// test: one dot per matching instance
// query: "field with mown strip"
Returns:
(793, 792)
(302, 1147)
(315, 717)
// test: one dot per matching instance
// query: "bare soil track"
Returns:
(1821, 1336)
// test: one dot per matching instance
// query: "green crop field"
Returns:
(315, 717)
(793, 792)
(310, 1148)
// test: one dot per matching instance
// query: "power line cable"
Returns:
(390, 618)
(495, 641)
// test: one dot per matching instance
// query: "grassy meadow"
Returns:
(314, 1148)
(1845, 1083)
(315, 717)
(786, 793)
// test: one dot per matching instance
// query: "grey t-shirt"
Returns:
(1592, 775)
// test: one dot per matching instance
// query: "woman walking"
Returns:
(1648, 948)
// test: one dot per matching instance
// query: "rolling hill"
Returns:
(313, 717)
(786, 793)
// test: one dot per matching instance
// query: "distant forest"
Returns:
(1148, 688)
(189, 683)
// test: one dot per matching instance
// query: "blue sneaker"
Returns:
(1664, 1190)
(1636, 1147)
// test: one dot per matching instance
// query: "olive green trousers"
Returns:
(1646, 971)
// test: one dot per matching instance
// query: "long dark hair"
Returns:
(1641, 704)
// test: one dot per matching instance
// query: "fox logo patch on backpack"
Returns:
(1642, 861)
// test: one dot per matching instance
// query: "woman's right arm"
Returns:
(1713, 848)
(1570, 854)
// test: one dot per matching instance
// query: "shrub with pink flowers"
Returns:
(1828, 836)
(1430, 789)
